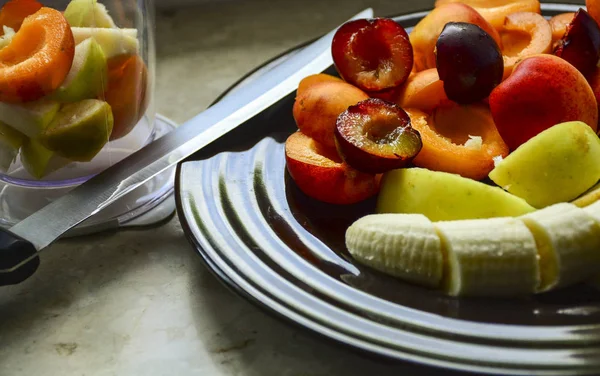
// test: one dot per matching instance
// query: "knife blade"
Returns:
(20, 245)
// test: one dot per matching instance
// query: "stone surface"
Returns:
(140, 302)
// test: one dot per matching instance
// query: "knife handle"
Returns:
(14, 250)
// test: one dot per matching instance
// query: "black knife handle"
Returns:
(13, 251)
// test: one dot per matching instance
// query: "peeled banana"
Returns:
(568, 242)
(550, 248)
(402, 245)
(492, 257)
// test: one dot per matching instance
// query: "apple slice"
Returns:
(88, 13)
(39, 161)
(557, 165)
(10, 143)
(441, 196)
(29, 118)
(88, 77)
(80, 130)
(112, 41)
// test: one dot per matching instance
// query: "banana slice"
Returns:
(489, 257)
(402, 245)
(568, 242)
(589, 197)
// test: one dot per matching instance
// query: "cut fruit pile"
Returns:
(69, 83)
(478, 135)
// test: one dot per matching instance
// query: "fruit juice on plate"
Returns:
(74, 86)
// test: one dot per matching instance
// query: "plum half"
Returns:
(469, 62)
(580, 45)
(375, 136)
(372, 54)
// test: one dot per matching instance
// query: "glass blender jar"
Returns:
(77, 97)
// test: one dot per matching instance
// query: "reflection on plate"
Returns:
(286, 252)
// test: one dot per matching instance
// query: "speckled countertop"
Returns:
(140, 302)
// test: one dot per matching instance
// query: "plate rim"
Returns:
(216, 270)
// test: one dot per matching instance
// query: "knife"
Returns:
(20, 245)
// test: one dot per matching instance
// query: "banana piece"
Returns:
(568, 242)
(489, 257)
(594, 210)
(402, 245)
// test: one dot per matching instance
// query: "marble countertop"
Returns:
(140, 302)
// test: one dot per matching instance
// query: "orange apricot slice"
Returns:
(14, 12)
(593, 8)
(524, 34)
(559, 24)
(458, 139)
(320, 173)
(38, 58)
(314, 79)
(495, 11)
(126, 93)
(423, 90)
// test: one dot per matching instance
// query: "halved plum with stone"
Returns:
(373, 54)
(580, 45)
(375, 136)
(469, 62)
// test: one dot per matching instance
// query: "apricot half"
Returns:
(495, 11)
(542, 91)
(423, 90)
(320, 173)
(524, 34)
(38, 58)
(426, 33)
(458, 139)
(317, 107)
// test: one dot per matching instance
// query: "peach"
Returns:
(423, 90)
(317, 107)
(559, 24)
(425, 34)
(594, 81)
(320, 173)
(314, 79)
(543, 90)
(524, 34)
(495, 11)
(458, 139)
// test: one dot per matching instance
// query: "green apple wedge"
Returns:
(557, 165)
(88, 77)
(441, 196)
(10, 143)
(39, 161)
(113, 42)
(88, 13)
(29, 118)
(80, 130)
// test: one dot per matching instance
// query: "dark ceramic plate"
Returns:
(284, 251)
